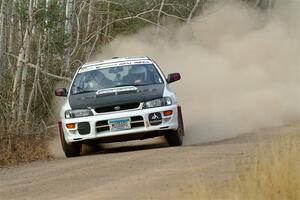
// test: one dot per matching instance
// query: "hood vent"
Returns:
(115, 108)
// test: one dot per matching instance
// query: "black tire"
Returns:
(175, 138)
(71, 150)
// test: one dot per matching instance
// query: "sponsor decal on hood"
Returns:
(116, 90)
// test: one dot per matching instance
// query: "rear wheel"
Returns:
(71, 150)
(175, 138)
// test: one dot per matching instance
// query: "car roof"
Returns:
(114, 60)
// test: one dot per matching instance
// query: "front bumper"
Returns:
(167, 123)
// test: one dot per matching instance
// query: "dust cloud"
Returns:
(54, 146)
(240, 67)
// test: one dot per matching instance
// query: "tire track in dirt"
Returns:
(143, 171)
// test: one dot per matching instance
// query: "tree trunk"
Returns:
(2, 35)
(23, 65)
(89, 18)
(12, 30)
(42, 42)
(16, 84)
(106, 30)
(68, 33)
(78, 31)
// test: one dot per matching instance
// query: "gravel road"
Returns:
(142, 171)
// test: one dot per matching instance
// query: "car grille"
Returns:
(136, 122)
(117, 107)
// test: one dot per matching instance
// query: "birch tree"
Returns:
(21, 73)
(2, 34)
(90, 17)
(47, 37)
(68, 33)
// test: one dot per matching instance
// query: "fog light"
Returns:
(71, 126)
(168, 113)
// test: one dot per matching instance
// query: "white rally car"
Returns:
(117, 100)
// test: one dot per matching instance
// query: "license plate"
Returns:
(119, 124)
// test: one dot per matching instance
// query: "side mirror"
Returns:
(61, 92)
(173, 77)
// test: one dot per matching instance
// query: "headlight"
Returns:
(166, 101)
(78, 113)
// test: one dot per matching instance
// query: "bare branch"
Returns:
(159, 12)
(41, 70)
(193, 10)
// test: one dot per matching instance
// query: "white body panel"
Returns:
(72, 135)
(168, 122)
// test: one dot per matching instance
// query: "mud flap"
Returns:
(60, 133)
(181, 118)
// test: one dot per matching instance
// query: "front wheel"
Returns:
(175, 138)
(71, 150)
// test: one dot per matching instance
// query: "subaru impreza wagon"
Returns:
(116, 100)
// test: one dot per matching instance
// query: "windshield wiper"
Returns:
(85, 91)
(82, 91)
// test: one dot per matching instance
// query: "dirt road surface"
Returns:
(143, 171)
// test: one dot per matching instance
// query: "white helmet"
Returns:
(138, 71)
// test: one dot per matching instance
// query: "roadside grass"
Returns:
(275, 174)
(272, 174)
(19, 148)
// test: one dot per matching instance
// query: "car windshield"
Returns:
(128, 75)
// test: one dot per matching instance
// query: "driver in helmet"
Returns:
(96, 80)
(136, 75)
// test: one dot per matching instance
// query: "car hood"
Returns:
(116, 96)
